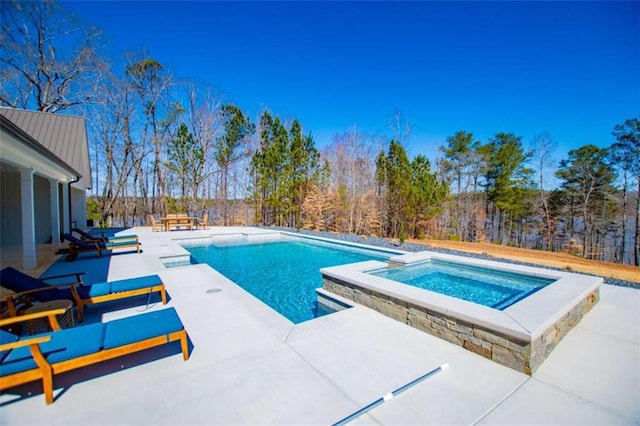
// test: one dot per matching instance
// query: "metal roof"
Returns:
(63, 135)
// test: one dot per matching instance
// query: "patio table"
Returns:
(178, 221)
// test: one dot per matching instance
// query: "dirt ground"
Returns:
(559, 260)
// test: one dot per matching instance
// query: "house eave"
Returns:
(22, 150)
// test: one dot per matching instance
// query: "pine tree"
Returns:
(283, 168)
(588, 179)
(427, 195)
(460, 164)
(507, 182)
(236, 128)
(302, 168)
(626, 153)
(185, 161)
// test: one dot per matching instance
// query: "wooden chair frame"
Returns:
(102, 238)
(46, 371)
(77, 246)
(202, 223)
(155, 226)
(78, 300)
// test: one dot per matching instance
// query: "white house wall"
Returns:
(78, 207)
(10, 214)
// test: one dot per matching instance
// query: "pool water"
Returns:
(283, 274)
(489, 287)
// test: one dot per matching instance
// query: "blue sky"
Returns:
(570, 69)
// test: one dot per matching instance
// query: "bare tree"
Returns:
(351, 158)
(49, 59)
(150, 82)
(109, 119)
(203, 114)
(544, 148)
(401, 127)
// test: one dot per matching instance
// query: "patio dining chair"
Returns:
(81, 294)
(155, 226)
(41, 357)
(202, 223)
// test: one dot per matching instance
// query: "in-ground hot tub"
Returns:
(518, 330)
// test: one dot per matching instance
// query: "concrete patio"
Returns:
(249, 365)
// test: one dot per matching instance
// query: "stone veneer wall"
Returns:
(523, 356)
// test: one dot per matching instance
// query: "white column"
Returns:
(55, 213)
(29, 259)
(66, 213)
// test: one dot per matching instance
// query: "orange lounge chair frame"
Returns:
(79, 246)
(103, 238)
(46, 371)
(79, 301)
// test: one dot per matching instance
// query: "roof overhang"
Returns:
(21, 150)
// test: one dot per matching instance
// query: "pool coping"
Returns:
(528, 329)
(524, 320)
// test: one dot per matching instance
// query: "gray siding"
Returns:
(42, 214)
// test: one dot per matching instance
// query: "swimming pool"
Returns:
(283, 273)
(493, 288)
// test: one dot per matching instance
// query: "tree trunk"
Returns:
(636, 254)
(623, 246)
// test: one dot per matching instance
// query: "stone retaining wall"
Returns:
(520, 355)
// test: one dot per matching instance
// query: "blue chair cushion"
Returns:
(64, 345)
(140, 327)
(135, 283)
(85, 291)
(6, 337)
(123, 237)
(101, 289)
(18, 281)
(116, 244)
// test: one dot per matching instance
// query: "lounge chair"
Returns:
(86, 236)
(77, 245)
(41, 357)
(82, 295)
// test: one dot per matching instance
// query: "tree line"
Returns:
(160, 144)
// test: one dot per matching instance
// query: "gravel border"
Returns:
(385, 243)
